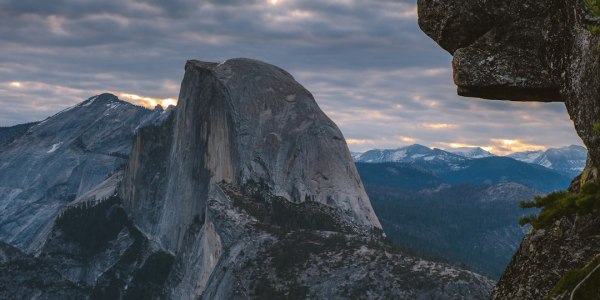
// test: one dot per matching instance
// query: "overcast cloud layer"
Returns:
(369, 66)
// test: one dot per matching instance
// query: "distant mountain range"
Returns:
(406, 154)
(461, 205)
(568, 160)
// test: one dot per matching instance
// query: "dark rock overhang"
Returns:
(502, 50)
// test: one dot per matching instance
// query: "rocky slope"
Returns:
(8, 134)
(547, 255)
(247, 190)
(530, 51)
(45, 165)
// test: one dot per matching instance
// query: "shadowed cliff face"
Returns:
(531, 50)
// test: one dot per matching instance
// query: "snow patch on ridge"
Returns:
(113, 105)
(90, 101)
(54, 147)
(398, 155)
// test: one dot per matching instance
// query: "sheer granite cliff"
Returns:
(241, 121)
(245, 191)
(531, 50)
(253, 190)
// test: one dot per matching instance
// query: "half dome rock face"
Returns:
(241, 122)
(245, 191)
(252, 189)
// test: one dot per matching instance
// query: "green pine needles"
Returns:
(593, 6)
(559, 204)
(595, 30)
(579, 283)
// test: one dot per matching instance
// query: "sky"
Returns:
(366, 62)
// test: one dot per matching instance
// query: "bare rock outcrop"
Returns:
(524, 51)
(253, 190)
(530, 50)
(236, 122)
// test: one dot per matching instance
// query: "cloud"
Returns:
(16, 100)
(439, 126)
(461, 145)
(26, 101)
(506, 146)
(385, 143)
(370, 68)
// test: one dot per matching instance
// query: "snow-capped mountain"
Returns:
(356, 155)
(410, 153)
(526, 156)
(569, 160)
(470, 152)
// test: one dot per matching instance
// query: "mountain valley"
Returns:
(463, 209)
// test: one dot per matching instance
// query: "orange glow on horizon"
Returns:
(461, 145)
(148, 102)
(500, 146)
(438, 126)
(507, 146)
